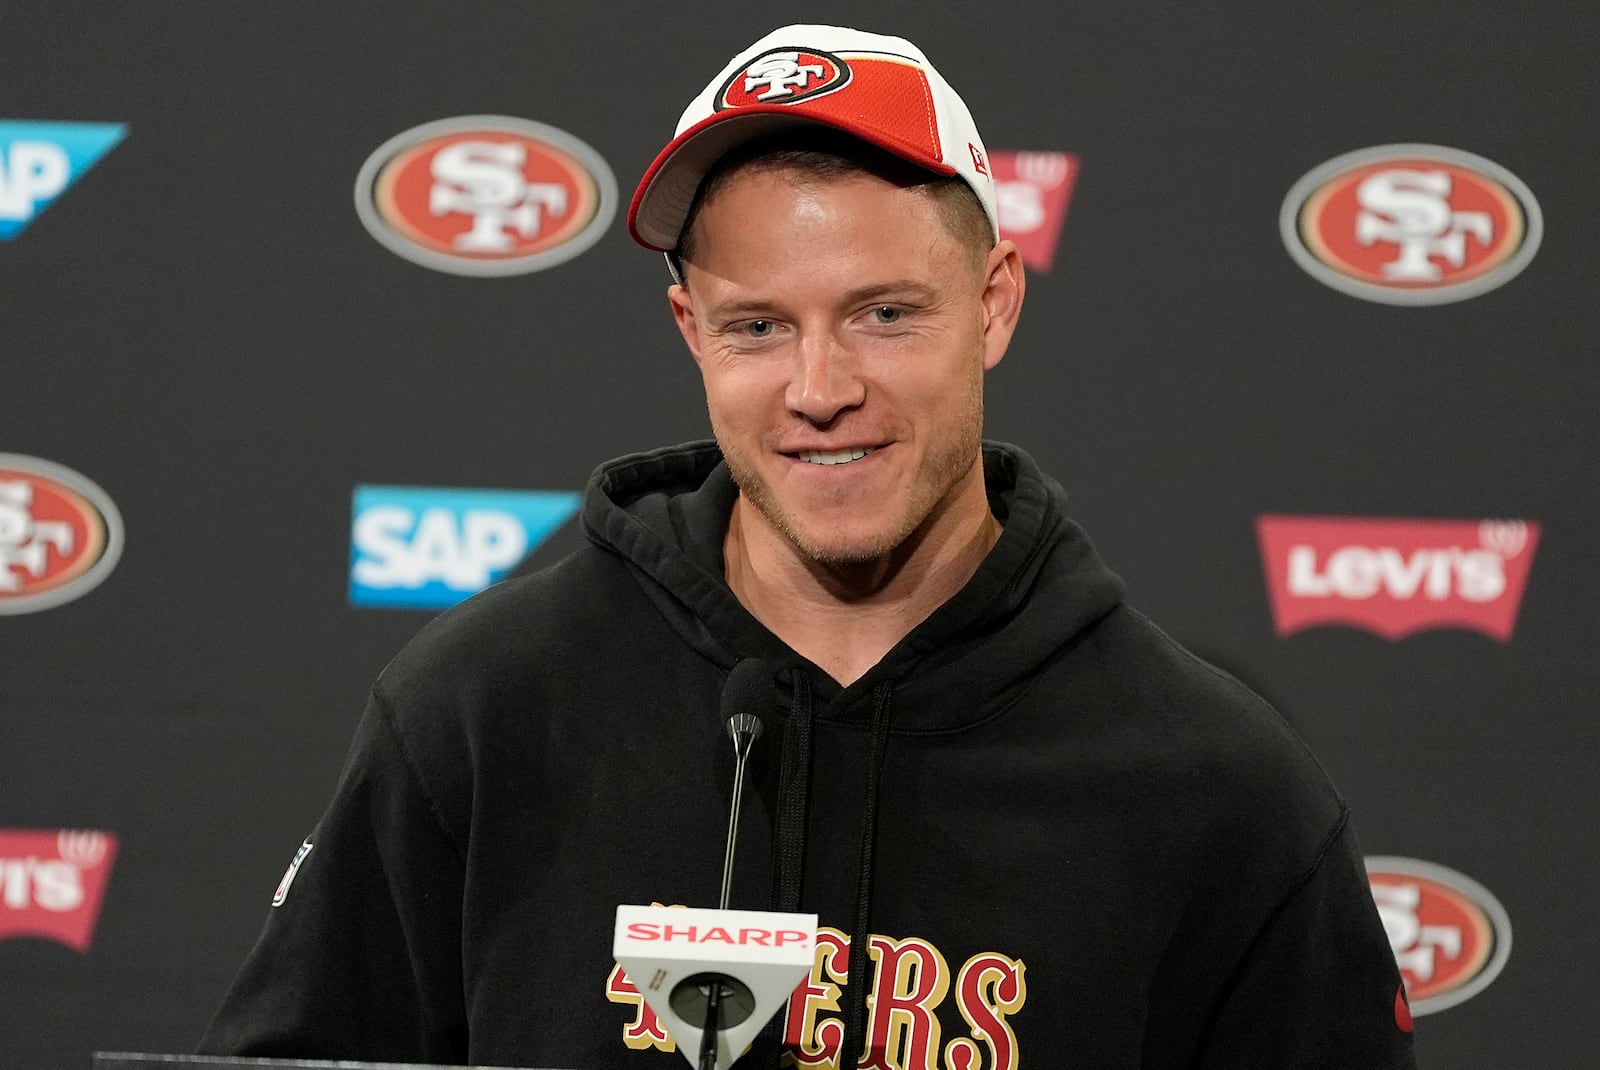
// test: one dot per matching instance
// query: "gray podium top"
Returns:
(125, 1060)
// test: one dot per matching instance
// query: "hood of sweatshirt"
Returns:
(1033, 596)
(665, 513)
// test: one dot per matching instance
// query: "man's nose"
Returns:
(825, 381)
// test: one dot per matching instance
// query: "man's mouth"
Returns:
(844, 456)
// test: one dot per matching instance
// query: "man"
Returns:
(1064, 841)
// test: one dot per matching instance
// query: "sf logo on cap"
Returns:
(784, 76)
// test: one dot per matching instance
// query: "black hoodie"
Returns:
(1076, 845)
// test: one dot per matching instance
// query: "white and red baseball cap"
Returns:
(880, 89)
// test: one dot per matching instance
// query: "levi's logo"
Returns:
(784, 76)
(1396, 577)
(1031, 192)
(52, 883)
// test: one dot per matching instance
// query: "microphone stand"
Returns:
(744, 728)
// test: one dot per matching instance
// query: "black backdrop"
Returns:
(201, 326)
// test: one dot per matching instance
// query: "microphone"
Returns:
(749, 688)
(714, 977)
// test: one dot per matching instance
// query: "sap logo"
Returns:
(38, 161)
(431, 547)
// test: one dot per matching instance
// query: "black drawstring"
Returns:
(855, 1020)
(794, 791)
(789, 849)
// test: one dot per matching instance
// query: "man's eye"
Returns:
(759, 328)
(886, 314)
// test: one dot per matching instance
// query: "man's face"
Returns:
(842, 332)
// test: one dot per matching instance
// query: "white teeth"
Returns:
(844, 456)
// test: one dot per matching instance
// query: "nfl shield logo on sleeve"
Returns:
(288, 875)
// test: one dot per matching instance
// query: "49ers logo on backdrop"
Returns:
(486, 195)
(910, 981)
(1411, 224)
(60, 534)
(52, 883)
(1450, 936)
(1396, 577)
(783, 76)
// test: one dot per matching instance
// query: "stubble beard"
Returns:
(944, 466)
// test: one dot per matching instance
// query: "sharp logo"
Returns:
(1032, 191)
(1449, 935)
(715, 935)
(52, 883)
(39, 161)
(486, 195)
(1411, 224)
(1396, 577)
(431, 547)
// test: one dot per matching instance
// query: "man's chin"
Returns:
(840, 549)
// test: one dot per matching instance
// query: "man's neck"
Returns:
(845, 618)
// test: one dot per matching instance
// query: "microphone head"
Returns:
(747, 697)
(745, 724)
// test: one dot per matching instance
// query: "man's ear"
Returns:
(1004, 285)
(683, 316)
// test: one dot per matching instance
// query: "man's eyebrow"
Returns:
(726, 309)
(908, 289)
